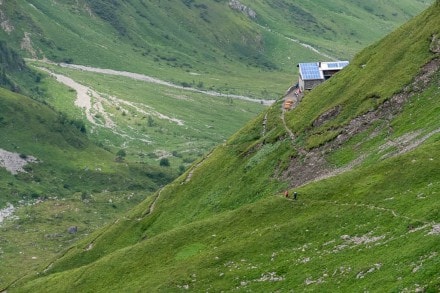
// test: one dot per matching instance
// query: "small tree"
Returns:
(151, 122)
(120, 155)
(164, 162)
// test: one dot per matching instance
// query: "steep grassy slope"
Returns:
(372, 225)
(209, 46)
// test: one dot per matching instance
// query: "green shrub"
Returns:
(164, 162)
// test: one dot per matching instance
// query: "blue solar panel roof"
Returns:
(333, 65)
(310, 71)
(336, 65)
(313, 71)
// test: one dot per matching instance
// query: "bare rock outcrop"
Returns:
(14, 162)
(26, 44)
(237, 5)
(435, 44)
(5, 23)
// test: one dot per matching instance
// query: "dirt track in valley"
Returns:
(150, 79)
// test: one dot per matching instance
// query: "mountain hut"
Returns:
(313, 74)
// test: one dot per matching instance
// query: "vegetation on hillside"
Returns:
(371, 225)
(77, 185)
(71, 182)
(14, 74)
(229, 51)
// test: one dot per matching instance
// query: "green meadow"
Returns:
(224, 225)
(173, 189)
(151, 118)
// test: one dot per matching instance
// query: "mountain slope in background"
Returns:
(366, 218)
(231, 45)
(339, 28)
(227, 47)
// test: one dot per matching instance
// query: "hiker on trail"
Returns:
(295, 194)
(286, 194)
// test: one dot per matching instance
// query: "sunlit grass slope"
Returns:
(224, 225)
(375, 74)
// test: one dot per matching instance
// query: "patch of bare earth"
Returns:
(87, 99)
(14, 162)
(312, 165)
(6, 212)
(26, 44)
(435, 230)
(5, 23)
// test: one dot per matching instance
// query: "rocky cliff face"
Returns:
(237, 5)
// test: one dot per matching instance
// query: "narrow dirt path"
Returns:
(190, 174)
(263, 132)
(426, 225)
(307, 46)
(289, 132)
(292, 95)
(153, 204)
(359, 205)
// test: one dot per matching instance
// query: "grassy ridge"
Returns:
(228, 227)
(373, 76)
